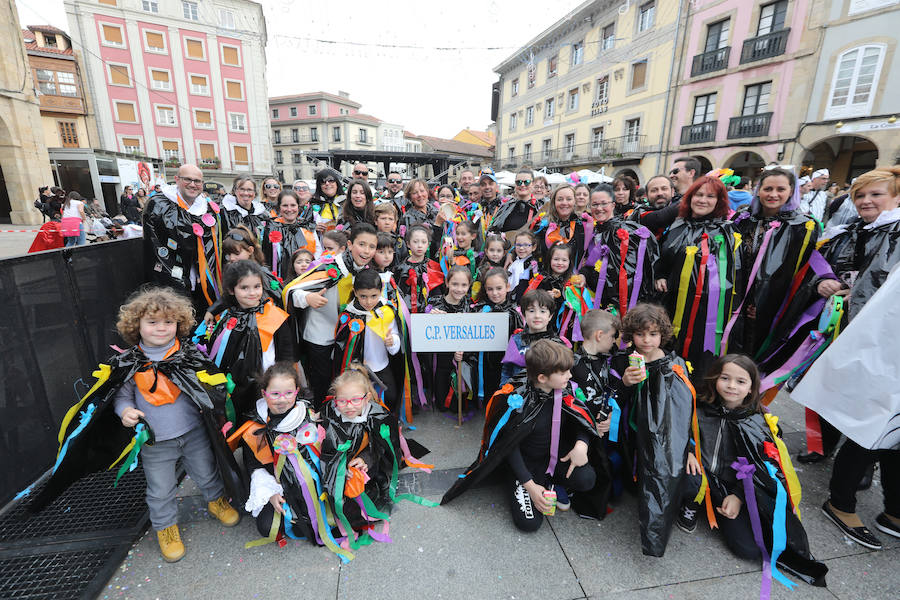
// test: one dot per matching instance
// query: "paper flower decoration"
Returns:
(275, 237)
(308, 434)
(208, 219)
(198, 229)
(284, 444)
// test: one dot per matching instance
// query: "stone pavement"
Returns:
(14, 244)
(470, 550)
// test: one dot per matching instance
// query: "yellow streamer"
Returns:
(690, 254)
(102, 374)
(810, 225)
(212, 380)
(124, 453)
(790, 476)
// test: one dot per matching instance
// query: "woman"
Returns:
(286, 234)
(557, 222)
(699, 256)
(131, 206)
(540, 189)
(72, 225)
(141, 197)
(242, 208)
(618, 265)
(328, 196)
(582, 197)
(419, 207)
(624, 189)
(271, 188)
(359, 207)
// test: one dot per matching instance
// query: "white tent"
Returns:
(588, 176)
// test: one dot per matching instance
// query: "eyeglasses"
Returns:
(523, 182)
(674, 171)
(395, 181)
(281, 395)
(357, 401)
(301, 188)
(272, 186)
(190, 180)
(236, 237)
(360, 172)
(329, 180)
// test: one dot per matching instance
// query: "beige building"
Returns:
(591, 91)
(24, 162)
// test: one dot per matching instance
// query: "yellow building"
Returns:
(591, 91)
(479, 138)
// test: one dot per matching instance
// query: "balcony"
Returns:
(599, 151)
(708, 62)
(765, 46)
(699, 133)
(365, 141)
(749, 126)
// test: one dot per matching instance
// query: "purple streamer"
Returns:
(712, 305)
(638, 277)
(745, 472)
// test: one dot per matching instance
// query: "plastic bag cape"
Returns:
(281, 240)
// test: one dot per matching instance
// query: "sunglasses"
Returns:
(329, 180)
(357, 401)
(523, 182)
(395, 181)
(281, 395)
(360, 172)
(272, 186)
(301, 188)
(674, 171)
(236, 237)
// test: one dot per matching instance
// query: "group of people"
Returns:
(648, 332)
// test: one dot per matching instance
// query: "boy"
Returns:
(541, 430)
(537, 307)
(386, 223)
(385, 252)
(591, 371)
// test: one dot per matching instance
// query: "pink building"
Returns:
(182, 81)
(737, 101)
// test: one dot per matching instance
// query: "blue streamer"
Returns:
(515, 402)
(779, 532)
(223, 343)
(615, 415)
(200, 332)
(288, 531)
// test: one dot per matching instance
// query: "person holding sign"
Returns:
(455, 300)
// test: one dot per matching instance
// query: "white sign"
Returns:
(864, 127)
(465, 332)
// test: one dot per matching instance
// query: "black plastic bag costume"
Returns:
(233, 214)
(550, 231)
(96, 440)
(489, 364)
(281, 240)
(511, 214)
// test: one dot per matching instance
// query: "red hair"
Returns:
(721, 209)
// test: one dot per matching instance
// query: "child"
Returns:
(385, 254)
(732, 425)
(494, 297)
(334, 242)
(172, 395)
(495, 254)
(556, 277)
(455, 300)
(386, 222)
(658, 405)
(367, 333)
(416, 275)
(541, 429)
(524, 266)
(535, 307)
(249, 335)
(301, 259)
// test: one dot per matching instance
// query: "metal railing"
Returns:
(699, 133)
(708, 62)
(765, 46)
(749, 126)
(604, 150)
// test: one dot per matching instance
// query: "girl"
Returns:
(417, 276)
(248, 336)
(280, 454)
(334, 242)
(524, 266)
(557, 278)
(242, 208)
(455, 300)
(73, 220)
(301, 259)
(495, 254)
(360, 207)
(464, 252)
(287, 233)
(494, 297)
(732, 425)
(657, 403)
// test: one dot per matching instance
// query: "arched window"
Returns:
(855, 82)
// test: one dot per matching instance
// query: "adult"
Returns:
(466, 179)
(815, 200)
(327, 198)
(418, 206)
(141, 196)
(490, 191)
(181, 238)
(130, 206)
(286, 234)
(358, 207)
(301, 188)
(47, 203)
(741, 196)
(582, 197)
(73, 220)
(698, 272)
(558, 223)
(361, 171)
(803, 184)
(683, 173)
(624, 192)
(513, 213)
(862, 255)
(619, 278)
(242, 207)
(271, 188)
(394, 190)
(473, 194)
(541, 189)
(661, 211)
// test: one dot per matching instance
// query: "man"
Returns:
(659, 192)
(180, 239)
(741, 194)
(683, 173)
(301, 188)
(466, 179)
(361, 171)
(510, 214)
(474, 194)
(45, 196)
(814, 202)
(662, 209)
(803, 184)
(490, 191)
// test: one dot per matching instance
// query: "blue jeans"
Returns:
(77, 240)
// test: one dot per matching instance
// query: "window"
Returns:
(529, 116)
(514, 87)
(49, 40)
(68, 135)
(858, 6)
(577, 53)
(513, 121)
(171, 150)
(159, 80)
(190, 11)
(717, 35)
(646, 15)
(234, 90)
(546, 151)
(237, 122)
(108, 2)
(295, 136)
(704, 109)
(226, 19)
(274, 113)
(608, 37)
(66, 82)
(602, 96)
(632, 130)
(293, 111)
(125, 112)
(570, 144)
(194, 49)
(335, 134)
(203, 119)
(231, 56)
(756, 99)
(298, 174)
(296, 157)
(165, 115)
(155, 41)
(511, 154)
(199, 85)
(241, 156)
(314, 134)
(118, 75)
(279, 157)
(553, 66)
(596, 140)
(855, 79)
(276, 136)
(526, 153)
(131, 145)
(573, 100)
(112, 36)
(207, 152)
(771, 17)
(150, 6)
(311, 109)
(549, 108)
(638, 75)
(363, 136)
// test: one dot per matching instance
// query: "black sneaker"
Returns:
(687, 518)
(810, 458)
(882, 523)
(860, 535)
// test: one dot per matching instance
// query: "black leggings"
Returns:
(850, 466)
(391, 394)
(738, 532)
(525, 516)
(320, 374)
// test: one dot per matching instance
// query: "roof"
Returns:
(455, 147)
(364, 117)
(32, 47)
(485, 136)
(309, 95)
(47, 29)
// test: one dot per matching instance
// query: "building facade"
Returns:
(591, 91)
(182, 81)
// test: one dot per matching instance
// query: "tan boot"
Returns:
(170, 544)
(221, 510)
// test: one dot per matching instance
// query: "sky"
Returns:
(356, 46)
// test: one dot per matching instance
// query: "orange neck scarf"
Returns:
(156, 388)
